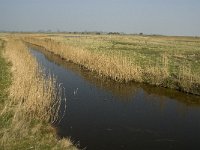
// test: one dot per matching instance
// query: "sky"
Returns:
(166, 17)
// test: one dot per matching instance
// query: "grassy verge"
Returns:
(5, 81)
(171, 62)
(26, 102)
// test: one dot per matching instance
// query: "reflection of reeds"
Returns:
(124, 91)
(33, 102)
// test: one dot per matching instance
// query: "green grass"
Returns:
(181, 55)
(143, 49)
(146, 50)
(171, 62)
(5, 81)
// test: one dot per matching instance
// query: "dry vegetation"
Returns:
(27, 111)
(32, 101)
(162, 61)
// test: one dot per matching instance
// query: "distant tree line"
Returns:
(83, 32)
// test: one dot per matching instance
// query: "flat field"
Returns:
(145, 50)
(172, 62)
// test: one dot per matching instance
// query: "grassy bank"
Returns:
(27, 102)
(5, 81)
(171, 62)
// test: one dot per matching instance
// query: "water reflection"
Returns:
(102, 114)
(124, 91)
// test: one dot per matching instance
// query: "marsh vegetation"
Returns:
(102, 112)
(171, 62)
(29, 101)
(31, 98)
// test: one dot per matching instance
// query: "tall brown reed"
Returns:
(112, 66)
(120, 68)
(33, 99)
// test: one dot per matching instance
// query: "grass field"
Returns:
(172, 62)
(27, 101)
(26, 96)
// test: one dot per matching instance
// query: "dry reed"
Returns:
(112, 66)
(122, 68)
(33, 100)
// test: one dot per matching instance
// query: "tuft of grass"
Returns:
(29, 104)
(5, 81)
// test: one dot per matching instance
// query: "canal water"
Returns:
(105, 115)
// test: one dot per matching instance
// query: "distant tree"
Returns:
(97, 33)
(114, 33)
(141, 33)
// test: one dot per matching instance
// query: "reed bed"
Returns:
(113, 66)
(31, 106)
(125, 63)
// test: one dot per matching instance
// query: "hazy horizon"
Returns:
(169, 17)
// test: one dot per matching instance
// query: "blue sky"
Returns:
(168, 17)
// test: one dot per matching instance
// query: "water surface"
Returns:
(102, 114)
